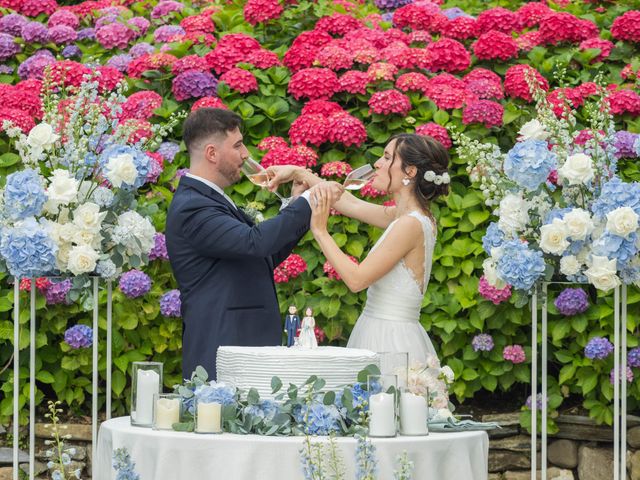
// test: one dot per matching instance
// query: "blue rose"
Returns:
(28, 250)
(529, 163)
(24, 195)
(519, 266)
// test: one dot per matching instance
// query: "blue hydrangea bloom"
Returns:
(170, 303)
(140, 160)
(318, 419)
(529, 163)
(79, 336)
(519, 266)
(24, 194)
(28, 249)
(614, 246)
(493, 238)
(598, 348)
(266, 410)
(558, 213)
(216, 393)
(168, 150)
(616, 193)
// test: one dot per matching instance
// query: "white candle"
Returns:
(413, 414)
(208, 420)
(167, 413)
(148, 383)
(382, 421)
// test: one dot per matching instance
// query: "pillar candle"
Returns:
(148, 383)
(382, 422)
(167, 413)
(413, 414)
(208, 420)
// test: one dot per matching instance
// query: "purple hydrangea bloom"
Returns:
(61, 34)
(612, 377)
(165, 8)
(455, 12)
(387, 17)
(88, 33)
(159, 250)
(194, 84)
(633, 357)
(598, 348)
(170, 303)
(168, 150)
(63, 17)
(106, 20)
(57, 292)
(134, 283)
(482, 342)
(71, 51)
(79, 336)
(572, 301)
(8, 46)
(12, 24)
(167, 32)
(181, 172)
(33, 67)
(139, 25)
(35, 32)
(142, 48)
(624, 144)
(120, 62)
(391, 4)
(6, 69)
(538, 402)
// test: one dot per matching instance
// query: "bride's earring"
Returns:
(406, 181)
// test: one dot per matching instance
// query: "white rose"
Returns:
(87, 237)
(514, 214)
(579, 224)
(532, 130)
(42, 137)
(63, 188)
(622, 221)
(62, 256)
(447, 374)
(602, 273)
(121, 169)
(82, 259)
(577, 169)
(491, 274)
(553, 237)
(88, 217)
(569, 265)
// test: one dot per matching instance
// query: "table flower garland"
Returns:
(562, 211)
(70, 208)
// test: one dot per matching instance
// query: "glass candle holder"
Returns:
(383, 398)
(147, 381)
(395, 363)
(414, 413)
(167, 408)
(208, 417)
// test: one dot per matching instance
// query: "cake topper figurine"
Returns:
(291, 325)
(307, 333)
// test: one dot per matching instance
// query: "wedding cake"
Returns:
(253, 367)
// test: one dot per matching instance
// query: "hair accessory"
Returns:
(406, 181)
(430, 176)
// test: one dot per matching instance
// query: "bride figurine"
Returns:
(307, 336)
(413, 170)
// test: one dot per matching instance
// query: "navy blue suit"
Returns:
(224, 267)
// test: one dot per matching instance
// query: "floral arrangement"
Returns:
(69, 209)
(562, 211)
(432, 380)
(59, 457)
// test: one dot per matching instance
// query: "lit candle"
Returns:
(167, 413)
(208, 420)
(382, 422)
(413, 414)
(148, 383)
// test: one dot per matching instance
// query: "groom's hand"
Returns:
(279, 174)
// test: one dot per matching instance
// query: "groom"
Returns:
(222, 261)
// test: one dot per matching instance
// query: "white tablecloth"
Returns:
(160, 455)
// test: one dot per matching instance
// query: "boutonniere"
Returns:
(253, 210)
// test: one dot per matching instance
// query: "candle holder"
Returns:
(414, 413)
(146, 381)
(383, 403)
(208, 417)
(395, 363)
(167, 410)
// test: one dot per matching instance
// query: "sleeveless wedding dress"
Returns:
(390, 321)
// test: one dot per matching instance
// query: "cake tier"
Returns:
(253, 367)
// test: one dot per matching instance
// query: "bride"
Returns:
(396, 271)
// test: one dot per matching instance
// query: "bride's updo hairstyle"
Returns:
(432, 162)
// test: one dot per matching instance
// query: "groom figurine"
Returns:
(223, 263)
(291, 325)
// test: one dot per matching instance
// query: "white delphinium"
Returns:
(134, 232)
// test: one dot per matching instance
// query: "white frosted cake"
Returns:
(253, 367)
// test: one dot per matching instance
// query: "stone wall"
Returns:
(581, 450)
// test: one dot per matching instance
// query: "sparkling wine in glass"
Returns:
(359, 177)
(257, 175)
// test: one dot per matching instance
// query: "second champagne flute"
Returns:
(257, 175)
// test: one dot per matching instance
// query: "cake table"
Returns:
(169, 455)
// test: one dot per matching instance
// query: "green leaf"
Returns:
(566, 373)
(8, 159)
(489, 382)
(253, 397)
(44, 377)
(276, 385)
(441, 117)
(118, 382)
(329, 398)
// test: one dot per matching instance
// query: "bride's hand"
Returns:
(322, 197)
(279, 174)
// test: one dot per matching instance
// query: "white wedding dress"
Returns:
(390, 321)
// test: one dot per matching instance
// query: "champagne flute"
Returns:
(258, 175)
(359, 177)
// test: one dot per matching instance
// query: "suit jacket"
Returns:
(224, 267)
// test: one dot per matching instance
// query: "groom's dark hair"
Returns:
(205, 123)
